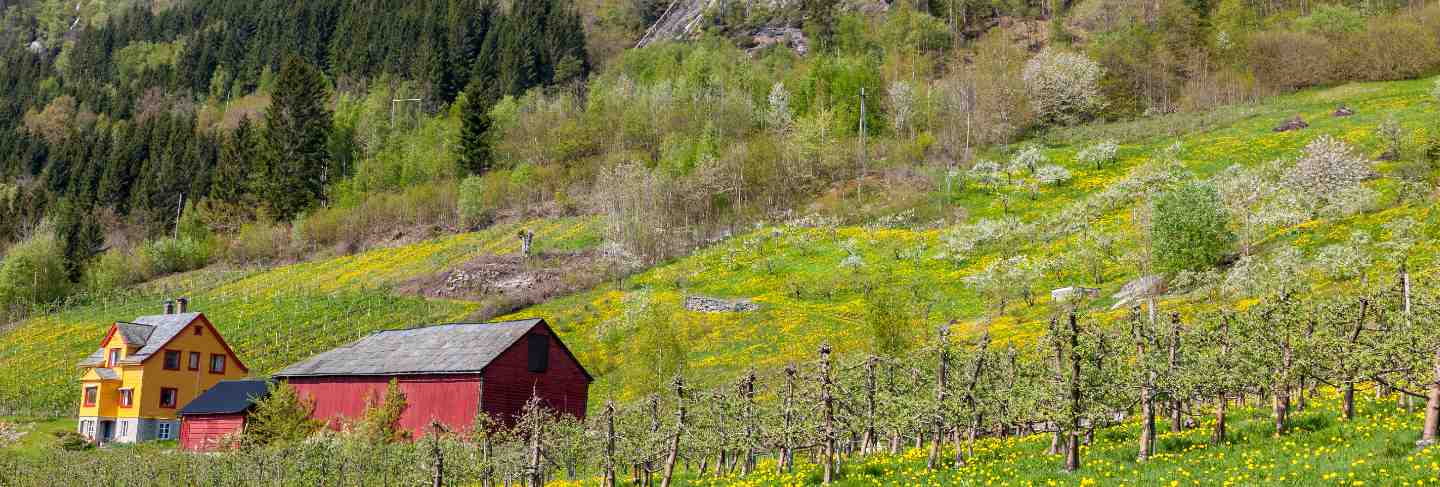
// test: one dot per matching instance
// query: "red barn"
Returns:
(219, 414)
(449, 373)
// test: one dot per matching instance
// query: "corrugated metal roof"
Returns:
(228, 397)
(149, 333)
(453, 348)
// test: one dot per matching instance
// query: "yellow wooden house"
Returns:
(133, 387)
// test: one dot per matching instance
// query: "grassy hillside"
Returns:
(271, 318)
(810, 294)
(813, 281)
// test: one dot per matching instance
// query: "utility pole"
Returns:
(864, 154)
(179, 213)
(398, 101)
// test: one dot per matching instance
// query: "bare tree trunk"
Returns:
(828, 403)
(1428, 435)
(1147, 392)
(1072, 453)
(1172, 363)
(1282, 390)
(748, 390)
(970, 400)
(867, 442)
(437, 472)
(1218, 435)
(787, 454)
(1055, 439)
(674, 452)
(939, 411)
(536, 473)
(609, 444)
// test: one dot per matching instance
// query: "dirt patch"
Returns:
(508, 283)
(1295, 123)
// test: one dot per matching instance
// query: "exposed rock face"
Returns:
(790, 37)
(715, 305)
(1066, 294)
(1140, 288)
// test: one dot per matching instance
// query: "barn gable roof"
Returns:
(228, 397)
(440, 349)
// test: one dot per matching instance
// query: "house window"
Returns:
(114, 357)
(194, 360)
(127, 398)
(124, 428)
(539, 353)
(164, 432)
(197, 330)
(172, 360)
(217, 364)
(91, 392)
(168, 397)
(87, 428)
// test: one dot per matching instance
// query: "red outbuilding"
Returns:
(220, 414)
(449, 373)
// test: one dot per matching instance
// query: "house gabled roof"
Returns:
(150, 334)
(441, 349)
(228, 397)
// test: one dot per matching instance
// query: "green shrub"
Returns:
(282, 418)
(1190, 228)
(259, 242)
(1331, 20)
(34, 271)
(171, 255)
(480, 197)
(113, 270)
(73, 441)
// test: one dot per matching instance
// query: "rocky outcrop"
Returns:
(1295, 123)
(706, 304)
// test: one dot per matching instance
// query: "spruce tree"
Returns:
(80, 236)
(298, 126)
(233, 174)
(475, 150)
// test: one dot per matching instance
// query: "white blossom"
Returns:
(778, 114)
(1099, 154)
(902, 105)
(1053, 175)
(1030, 158)
(1064, 87)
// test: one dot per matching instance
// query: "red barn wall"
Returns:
(451, 399)
(199, 432)
(509, 382)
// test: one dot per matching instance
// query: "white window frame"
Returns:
(122, 429)
(163, 431)
(87, 428)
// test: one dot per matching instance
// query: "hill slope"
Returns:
(813, 282)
